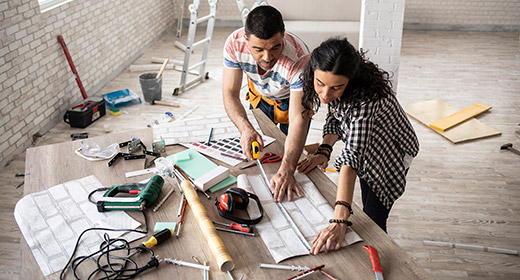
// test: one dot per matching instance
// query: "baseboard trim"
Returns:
(462, 27)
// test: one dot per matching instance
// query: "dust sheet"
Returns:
(310, 213)
(52, 220)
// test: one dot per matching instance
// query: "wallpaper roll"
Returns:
(217, 247)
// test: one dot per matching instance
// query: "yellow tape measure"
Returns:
(255, 150)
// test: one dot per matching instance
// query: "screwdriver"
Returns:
(239, 227)
(156, 239)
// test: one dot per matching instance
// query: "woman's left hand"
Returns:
(329, 236)
(307, 164)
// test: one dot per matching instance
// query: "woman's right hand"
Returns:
(307, 164)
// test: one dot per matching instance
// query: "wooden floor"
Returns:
(467, 193)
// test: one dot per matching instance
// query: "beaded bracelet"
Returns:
(339, 221)
(346, 204)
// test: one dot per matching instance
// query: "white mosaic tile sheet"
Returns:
(310, 213)
(52, 220)
(194, 132)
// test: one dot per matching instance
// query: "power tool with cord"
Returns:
(131, 196)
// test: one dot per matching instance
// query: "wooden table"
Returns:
(51, 165)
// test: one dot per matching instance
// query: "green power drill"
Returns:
(137, 196)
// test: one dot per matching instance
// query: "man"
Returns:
(273, 62)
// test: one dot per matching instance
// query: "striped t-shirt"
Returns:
(279, 80)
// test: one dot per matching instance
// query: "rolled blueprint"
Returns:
(217, 247)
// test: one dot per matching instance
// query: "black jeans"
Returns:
(372, 206)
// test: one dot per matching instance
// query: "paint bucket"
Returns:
(151, 87)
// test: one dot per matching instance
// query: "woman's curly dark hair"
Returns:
(337, 55)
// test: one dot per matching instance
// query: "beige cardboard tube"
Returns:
(217, 247)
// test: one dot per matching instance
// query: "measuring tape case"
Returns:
(82, 115)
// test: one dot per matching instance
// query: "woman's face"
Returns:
(329, 86)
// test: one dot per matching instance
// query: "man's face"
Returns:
(266, 52)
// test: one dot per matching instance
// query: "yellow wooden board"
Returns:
(429, 111)
(460, 116)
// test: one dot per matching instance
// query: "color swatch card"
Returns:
(196, 165)
(224, 149)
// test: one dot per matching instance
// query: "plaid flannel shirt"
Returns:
(377, 136)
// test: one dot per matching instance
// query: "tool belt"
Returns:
(281, 107)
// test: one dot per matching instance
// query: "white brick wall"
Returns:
(36, 82)
(463, 12)
(381, 33)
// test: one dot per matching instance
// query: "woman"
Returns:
(364, 113)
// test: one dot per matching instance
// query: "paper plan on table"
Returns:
(310, 213)
(52, 220)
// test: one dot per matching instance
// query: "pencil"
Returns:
(209, 138)
(331, 170)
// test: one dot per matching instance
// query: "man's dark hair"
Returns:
(264, 22)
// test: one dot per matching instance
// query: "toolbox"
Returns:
(82, 115)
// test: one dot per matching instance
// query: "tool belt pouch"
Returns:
(82, 115)
(281, 107)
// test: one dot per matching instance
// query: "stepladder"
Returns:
(188, 69)
(244, 11)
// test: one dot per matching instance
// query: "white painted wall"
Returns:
(381, 34)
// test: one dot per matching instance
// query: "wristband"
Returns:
(338, 221)
(322, 152)
(346, 204)
(326, 146)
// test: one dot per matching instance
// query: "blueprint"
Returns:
(310, 213)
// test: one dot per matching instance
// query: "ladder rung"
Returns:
(200, 42)
(203, 19)
(192, 82)
(196, 65)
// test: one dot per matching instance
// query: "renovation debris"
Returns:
(427, 112)
(470, 247)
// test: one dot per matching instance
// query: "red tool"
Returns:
(239, 227)
(374, 258)
(72, 67)
(267, 158)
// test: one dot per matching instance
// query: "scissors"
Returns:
(267, 158)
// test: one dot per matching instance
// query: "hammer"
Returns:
(165, 103)
(509, 146)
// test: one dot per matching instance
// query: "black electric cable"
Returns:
(110, 270)
(94, 191)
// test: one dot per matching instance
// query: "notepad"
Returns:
(197, 166)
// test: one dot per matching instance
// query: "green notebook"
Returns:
(198, 165)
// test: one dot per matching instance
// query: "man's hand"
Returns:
(284, 183)
(246, 138)
(307, 164)
(331, 237)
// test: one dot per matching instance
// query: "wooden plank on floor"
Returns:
(429, 111)
(460, 116)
